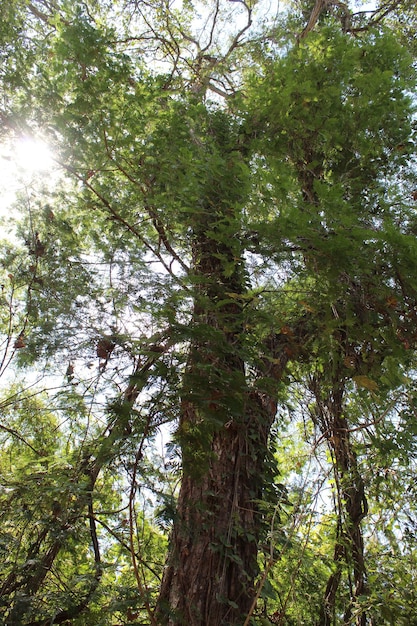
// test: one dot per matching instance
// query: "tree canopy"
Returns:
(209, 314)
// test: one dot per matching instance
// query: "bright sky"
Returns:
(21, 163)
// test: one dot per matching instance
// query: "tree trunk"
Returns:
(210, 575)
(213, 562)
(349, 549)
(211, 569)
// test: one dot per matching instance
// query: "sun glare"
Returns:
(33, 155)
(24, 162)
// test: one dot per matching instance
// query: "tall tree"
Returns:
(235, 221)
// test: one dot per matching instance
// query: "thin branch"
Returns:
(118, 218)
(213, 26)
(236, 40)
(150, 210)
(15, 434)
(132, 517)
(318, 9)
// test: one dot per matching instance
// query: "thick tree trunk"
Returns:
(210, 575)
(225, 421)
(212, 566)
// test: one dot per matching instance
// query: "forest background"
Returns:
(209, 314)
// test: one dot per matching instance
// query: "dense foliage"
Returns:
(209, 315)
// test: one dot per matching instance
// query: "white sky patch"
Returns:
(32, 155)
(23, 161)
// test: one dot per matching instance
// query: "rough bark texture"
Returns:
(211, 570)
(210, 576)
(332, 422)
(225, 422)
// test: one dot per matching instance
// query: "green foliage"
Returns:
(233, 274)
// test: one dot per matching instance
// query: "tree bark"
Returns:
(349, 548)
(226, 419)
(212, 566)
